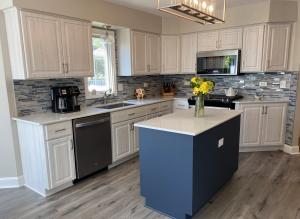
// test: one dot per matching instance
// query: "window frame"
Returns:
(100, 94)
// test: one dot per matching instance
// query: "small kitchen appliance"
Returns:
(230, 92)
(65, 99)
(218, 100)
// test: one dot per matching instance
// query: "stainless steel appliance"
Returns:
(225, 62)
(65, 99)
(218, 100)
(92, 139)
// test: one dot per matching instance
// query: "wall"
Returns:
(10, 166)
(248, 84)
(96, 10)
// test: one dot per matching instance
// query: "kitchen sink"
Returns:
(117, 105)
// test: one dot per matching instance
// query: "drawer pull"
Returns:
(131, 114)
(153, 109)
(60, 130)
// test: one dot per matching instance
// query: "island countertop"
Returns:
(184, 122)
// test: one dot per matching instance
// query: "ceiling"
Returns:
(151, 5)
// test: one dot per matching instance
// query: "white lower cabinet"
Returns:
(262, 125)
(121, 139)
(61, 161)
(48, 158)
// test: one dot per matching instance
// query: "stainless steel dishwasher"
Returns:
(92, 139)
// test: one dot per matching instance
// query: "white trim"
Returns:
(291, 149)
(11, 182)
(259, 148)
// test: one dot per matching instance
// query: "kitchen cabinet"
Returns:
(188, 53)
(138, 53)
(277, 47)
(170, 54)
(122, 140)
(135, 134)
(262, 125)
(154, 53)
(47, 153)
(252, 52)
(61, 161)
(220, 40)
(48, 46)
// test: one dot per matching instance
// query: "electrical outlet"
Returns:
(263, 84)
(120, 87)
(284, 84)
(146, 85)
(221, 142)
(187, 83)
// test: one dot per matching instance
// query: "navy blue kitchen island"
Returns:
(184, 160)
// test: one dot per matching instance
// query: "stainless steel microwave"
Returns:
(225, 62)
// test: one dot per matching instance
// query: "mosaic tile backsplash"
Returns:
(33, 96)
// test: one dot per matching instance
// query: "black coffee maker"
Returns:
(65, 99)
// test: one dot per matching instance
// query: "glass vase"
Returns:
(199, 107)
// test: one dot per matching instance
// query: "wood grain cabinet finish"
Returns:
(44, 46)
(252, 52)
(188, 53)
(61, 161)
(220, 40)
(170, 54)
(154, 53)
(277, 47)
(262, 125)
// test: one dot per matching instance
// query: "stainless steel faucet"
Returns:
(106, 95)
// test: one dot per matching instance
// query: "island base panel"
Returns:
(180, 173)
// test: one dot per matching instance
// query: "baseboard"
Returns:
(290, 149)
(11, 182)
(260, 148)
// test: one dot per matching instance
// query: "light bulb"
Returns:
(204, 5)
(211, 9)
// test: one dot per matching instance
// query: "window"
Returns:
(104, 64)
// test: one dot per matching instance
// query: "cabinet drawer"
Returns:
(165, 106)
(125, 115)
(154, 108)
(58, 130)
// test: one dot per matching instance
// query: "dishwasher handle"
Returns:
(87, 124)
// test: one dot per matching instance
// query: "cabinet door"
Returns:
(188, 53)
(230, 39)
(61, 161)
(122, 140)
(208, 41)
(170, 54)
(252, 52)
(274, 124)
(77, 42)
(135, 134)
(154, 53)
(278, 42)
(251, 125)
(42, 45)
(139, 53)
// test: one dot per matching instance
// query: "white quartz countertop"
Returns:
(50, 118)
(264, 100)
(184, 122)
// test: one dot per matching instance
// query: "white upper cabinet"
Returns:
(188, 53)
(208, 41)
(170, 54)
(77, 41)
(46, 46)
(230, 39)
(154, 53)
(220, 40)
(277, 47)
(252, 52)
(139, 53)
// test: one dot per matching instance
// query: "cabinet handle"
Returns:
(60, 130)
(67, 68)
(263, 110)
(131, 114)
(266, 110)
(153, 109)
(72, 144)
(220, 42)
(64, 67)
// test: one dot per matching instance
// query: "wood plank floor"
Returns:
(267, 185)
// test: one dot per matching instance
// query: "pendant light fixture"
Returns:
(200, 11)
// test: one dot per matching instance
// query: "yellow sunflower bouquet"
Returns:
(201, 87)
